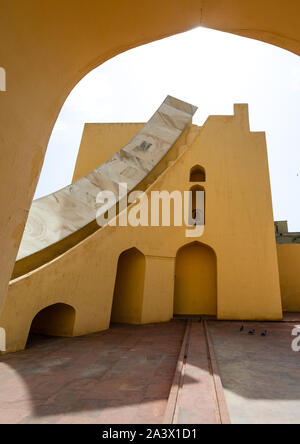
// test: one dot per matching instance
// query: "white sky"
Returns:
(210, 69)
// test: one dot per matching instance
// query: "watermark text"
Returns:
(2, 79)
(296, 341)
(159, 208)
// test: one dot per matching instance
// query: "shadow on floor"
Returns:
(124, 375)
(121, 375)
(36, 340)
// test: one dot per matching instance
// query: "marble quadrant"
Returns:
(60, 214)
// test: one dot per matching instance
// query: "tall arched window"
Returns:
(197, 205)
(197, 174)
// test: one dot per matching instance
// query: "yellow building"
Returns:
(237, 250)
(147, 274)
(47, 57)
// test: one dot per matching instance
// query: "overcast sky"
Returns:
(210, 69)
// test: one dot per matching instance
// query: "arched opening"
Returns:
(55, 320)
(197, 174)
(129, 288)
(195, 281)
(197, 205)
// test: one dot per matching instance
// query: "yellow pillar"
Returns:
(159, 289)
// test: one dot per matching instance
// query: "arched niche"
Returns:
(195, 280)
(54, 320)
(197, 174)
(129, 287)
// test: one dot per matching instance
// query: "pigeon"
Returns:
(242, 328)
(264, 333)
(252, 332)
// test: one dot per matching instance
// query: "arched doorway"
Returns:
(54, 320)
(129, 288)
(195, 281)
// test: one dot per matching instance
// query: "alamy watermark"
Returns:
(155, 210)
(2, 79)
(296, 341)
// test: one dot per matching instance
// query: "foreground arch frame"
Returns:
(47, 57)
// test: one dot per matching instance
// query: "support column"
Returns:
(158, 289)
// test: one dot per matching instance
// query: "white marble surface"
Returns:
(54, 217)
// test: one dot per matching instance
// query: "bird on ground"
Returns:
(264, 333)
(252, 332)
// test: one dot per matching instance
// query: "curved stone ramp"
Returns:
(64, 213)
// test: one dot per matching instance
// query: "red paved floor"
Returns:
(123, 375)
(260, 375)
(291, 317)
(197, 403)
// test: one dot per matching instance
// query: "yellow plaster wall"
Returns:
(159, 288)
(47, 47)
(289, 272)
(239, 228)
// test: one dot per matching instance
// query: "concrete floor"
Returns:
(260, 375)
(124, 375)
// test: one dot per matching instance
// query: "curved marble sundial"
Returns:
(60, 214)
